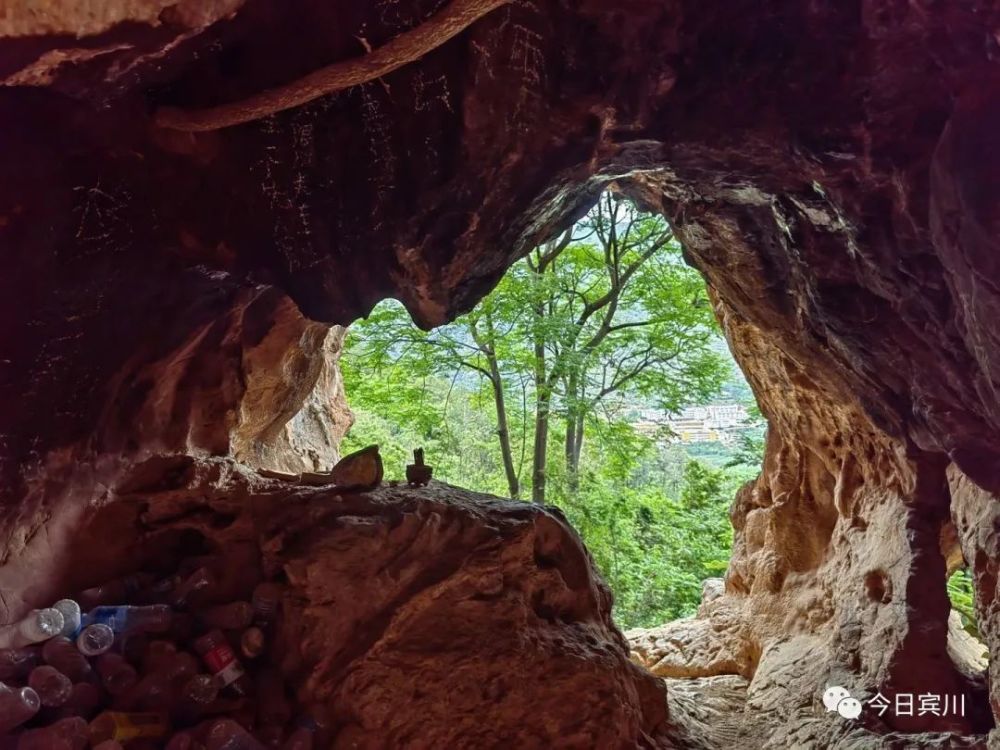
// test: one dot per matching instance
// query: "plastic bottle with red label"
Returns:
(218, 656)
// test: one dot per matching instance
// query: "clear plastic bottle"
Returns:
(117, 675)
(73, 730)
(198, 581)
(61, 653)
(180, 666)
(44, 738)
(231, 616)
(84, 700)
(151, 693)
(152, 618)
(226, 734)
(52, 686)
(252, 642)
(218, 656)
(16, 663)
(95, 640)
(72, 616)
(17, 705)
(38, 625)
(157, 653)
(266, 602)
(201, 689)
(126, 726)
(119, 590)
(132, 646)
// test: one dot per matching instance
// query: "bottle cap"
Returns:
(72, 616)
(45, 623)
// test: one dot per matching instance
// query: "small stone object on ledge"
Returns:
(418, 473)
(358, 471)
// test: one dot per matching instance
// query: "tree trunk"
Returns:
(579, 440)
(503, 430)
(572, 435)
(543, 393)
(541, 447)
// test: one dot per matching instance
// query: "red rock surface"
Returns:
(429, 617)
(831, 166)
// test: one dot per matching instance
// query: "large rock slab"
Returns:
(430, 617)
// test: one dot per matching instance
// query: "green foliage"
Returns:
(575, 338)
(654, 551)
(960, 594)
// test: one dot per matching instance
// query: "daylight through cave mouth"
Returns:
(175, 283)
(594, 378)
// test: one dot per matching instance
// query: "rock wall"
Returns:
(418, 617)
(832, 168)
(841, 551)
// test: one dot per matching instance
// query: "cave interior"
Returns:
(185, 232)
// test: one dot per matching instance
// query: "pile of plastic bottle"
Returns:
(140, 663)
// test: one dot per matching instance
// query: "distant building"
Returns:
(714, 423)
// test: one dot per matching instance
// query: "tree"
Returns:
(604, 314)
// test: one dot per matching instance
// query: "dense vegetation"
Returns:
(535, 393)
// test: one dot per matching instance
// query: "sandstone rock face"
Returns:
(419, 616)
(832, 168)
(294, 412)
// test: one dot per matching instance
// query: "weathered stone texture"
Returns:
(832, 168)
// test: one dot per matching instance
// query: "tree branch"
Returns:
(406, 48)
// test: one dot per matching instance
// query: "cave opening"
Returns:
(196, 196)
(593, 378)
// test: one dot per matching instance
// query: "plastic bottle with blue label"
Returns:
(153, 618)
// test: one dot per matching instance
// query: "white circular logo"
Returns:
(833, 696)
(849, 708)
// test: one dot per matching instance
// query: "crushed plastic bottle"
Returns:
(95, 640)
(157, 653)
(38, 625)
(66, 734)
(117, 675)
(17, 705)
(231, 616)
(151, 693)
(226, 734)
(52, 686)
(61, 653)
(84, 700)
(16, 663)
